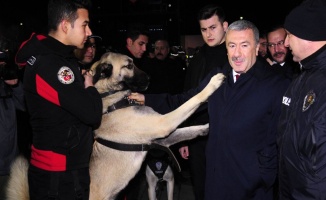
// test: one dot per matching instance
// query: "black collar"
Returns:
(105, 94)
(125, 102)
(138, 147)
(120, 104)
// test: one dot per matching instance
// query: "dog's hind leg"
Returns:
(152, 181)
(169, 178)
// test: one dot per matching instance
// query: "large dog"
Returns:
(126, 132)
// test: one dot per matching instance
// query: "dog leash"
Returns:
(139, 147)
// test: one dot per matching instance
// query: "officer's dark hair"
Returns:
(210, 10)
(64, 9)
(135, 30)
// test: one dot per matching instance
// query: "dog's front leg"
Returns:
(176, 117)
(181, 134)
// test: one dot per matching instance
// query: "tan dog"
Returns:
(125, 134)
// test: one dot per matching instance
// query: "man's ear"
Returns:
(129, 42)
(225, 25)
(64, 25)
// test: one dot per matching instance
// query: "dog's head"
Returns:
(115, 72)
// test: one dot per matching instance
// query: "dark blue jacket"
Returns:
(241, 151)
(11, 100)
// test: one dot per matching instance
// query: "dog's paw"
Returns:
(213, 85)
(204, 131)
(217, 80)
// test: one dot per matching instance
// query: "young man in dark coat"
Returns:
(212, 54)
(136, 41)
(64, 107)
(241, 153)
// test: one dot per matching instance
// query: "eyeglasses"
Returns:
(279, 44)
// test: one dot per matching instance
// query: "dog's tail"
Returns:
(18, 183)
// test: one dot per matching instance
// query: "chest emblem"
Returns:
(308, 100)
(65, 75)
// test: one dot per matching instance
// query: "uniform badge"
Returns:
(158, 165)
(65, 75)
(308, 100)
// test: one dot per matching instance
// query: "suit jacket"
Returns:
(241, 154)
(290, 69)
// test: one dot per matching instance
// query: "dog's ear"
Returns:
(106, 58)
(102, 71)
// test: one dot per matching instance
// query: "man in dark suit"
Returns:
(241, 152)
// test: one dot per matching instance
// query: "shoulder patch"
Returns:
(308, 100)
(65, 75)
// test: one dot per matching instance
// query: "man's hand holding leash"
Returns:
(139, 98)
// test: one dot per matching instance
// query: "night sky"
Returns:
(109, 17)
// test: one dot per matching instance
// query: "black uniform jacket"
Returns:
(62, 112)
(241, 153)
(303, 132)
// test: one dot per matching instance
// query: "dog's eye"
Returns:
(130, 66)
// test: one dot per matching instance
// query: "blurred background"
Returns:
(171, 19)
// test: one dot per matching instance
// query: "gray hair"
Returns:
(241, 25)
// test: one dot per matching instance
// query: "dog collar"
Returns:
(105, 94)
(125, 102)
(120, 104)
